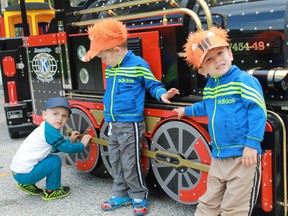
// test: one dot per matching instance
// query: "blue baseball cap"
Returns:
(57, 102)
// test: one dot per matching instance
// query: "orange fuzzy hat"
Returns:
(105, 34)
(199, 43)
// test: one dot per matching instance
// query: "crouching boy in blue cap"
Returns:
(33, 161)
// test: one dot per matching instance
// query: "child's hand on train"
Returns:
(169, 94)
(180, 111)
(86, 139)
(74, 136)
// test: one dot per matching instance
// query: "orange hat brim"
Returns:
(90, 55)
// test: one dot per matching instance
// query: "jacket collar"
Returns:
(231, 70)
(125, 58)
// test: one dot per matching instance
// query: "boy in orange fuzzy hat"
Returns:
(233, 101)
(127, 78)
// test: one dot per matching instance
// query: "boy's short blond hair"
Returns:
(105, 34)
(199, 43)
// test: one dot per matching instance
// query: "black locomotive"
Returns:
(176, 153)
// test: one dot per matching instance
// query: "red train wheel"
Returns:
(145, 162)
(87, 160)
(182, 184)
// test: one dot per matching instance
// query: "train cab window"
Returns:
(77, 3)
(18, 30)
(235, 1)
(43, 27)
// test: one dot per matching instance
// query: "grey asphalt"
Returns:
(88, 191)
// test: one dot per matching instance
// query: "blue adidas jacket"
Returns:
(236, 111)
(126, 84)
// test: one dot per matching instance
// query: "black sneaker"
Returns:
(31, 189)
(55, 194)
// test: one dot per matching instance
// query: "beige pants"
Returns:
(232, 189)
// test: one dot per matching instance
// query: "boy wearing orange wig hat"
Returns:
(127, 78)
(233, 101)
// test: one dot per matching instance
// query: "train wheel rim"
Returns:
(87, 160)
(182, 184)
(145, 162)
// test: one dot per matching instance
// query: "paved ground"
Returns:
(87, 191)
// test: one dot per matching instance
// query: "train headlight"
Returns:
(276, 78)
(81, 51)
(84, 76)
(281, 79)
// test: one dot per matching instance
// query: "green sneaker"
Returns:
(56, 194)
(31, 189)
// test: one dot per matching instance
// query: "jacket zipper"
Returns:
(213, 118)
(112, 96)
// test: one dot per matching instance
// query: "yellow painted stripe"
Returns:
(5, 174)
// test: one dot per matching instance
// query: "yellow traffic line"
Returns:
(5, 174)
